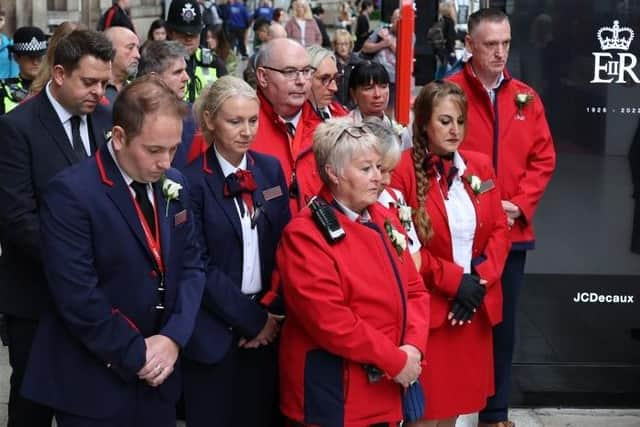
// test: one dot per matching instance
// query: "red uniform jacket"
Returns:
(490, 246)
(520, 145)
(295, 153)
(348, 304)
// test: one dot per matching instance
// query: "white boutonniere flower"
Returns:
(475, 183)
(398, 240)
(404, 214)
(397, 127)
(171, 191)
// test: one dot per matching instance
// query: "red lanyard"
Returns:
(152, 242)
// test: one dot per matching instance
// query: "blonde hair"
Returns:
(307, 9)
(342, 34)
(44, 73)
(335, 145)
(423, 106)
(214, 95)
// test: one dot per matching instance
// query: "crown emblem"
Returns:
(188, 13)
(615, 37)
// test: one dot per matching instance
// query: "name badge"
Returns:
(272, 193)
(180, 217)
(486, 186)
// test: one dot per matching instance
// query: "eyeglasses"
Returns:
(356, 132)
(326, 79)
(291, 73)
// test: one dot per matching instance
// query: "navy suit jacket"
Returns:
(101, 275)
(226, 312)
(33, 148)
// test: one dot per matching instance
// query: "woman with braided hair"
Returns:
(463, 231)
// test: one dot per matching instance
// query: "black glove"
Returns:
(461, 313)
(470, 292)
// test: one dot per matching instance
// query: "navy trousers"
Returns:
(497, 408)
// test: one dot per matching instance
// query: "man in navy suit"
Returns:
(60, 126)
(125, 272)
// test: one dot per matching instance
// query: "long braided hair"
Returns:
(423, 107)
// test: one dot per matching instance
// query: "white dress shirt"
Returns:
(251, 277)
(461, 216)
(65, 118)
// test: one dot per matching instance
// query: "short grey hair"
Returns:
(317, 54)
(388, 140)
(214, 95)
(157, 55)
(335, 145)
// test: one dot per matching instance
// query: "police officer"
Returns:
(184, 23)
(29, 46)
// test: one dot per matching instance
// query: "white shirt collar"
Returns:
(228, 168)
(459, 163)
(352, 215)
(63, 114)
(127, 179)
(294, 120)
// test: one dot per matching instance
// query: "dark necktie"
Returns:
(325, 114)
(291, 129)
(145, 204)
(78, 146)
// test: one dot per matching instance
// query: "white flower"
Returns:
(523, 98)
(171, 191)
(398, 239)
(404, 214)
(475, 183)
(397, 127)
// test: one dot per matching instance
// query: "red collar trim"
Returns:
(103, 174)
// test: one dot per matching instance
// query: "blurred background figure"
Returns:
(217, 41)
(446, 54)
(345, 16)
(116, 16)
(264, 10)
(302, 27)
(157, 31)
(8, 67)
(382, 45)
(346, 59)
(237, 20)
(318, 16)
(362, 24)
(280, 16)
(260, 32)
(28, 48)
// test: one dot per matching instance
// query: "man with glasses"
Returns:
(287, 120)
(324, 83)
(506, 122)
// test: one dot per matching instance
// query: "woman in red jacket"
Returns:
(357, 310)
(463, 230)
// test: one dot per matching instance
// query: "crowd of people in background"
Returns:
(242, 235)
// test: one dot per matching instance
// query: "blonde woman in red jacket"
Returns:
(352, 303)
(463, 230)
